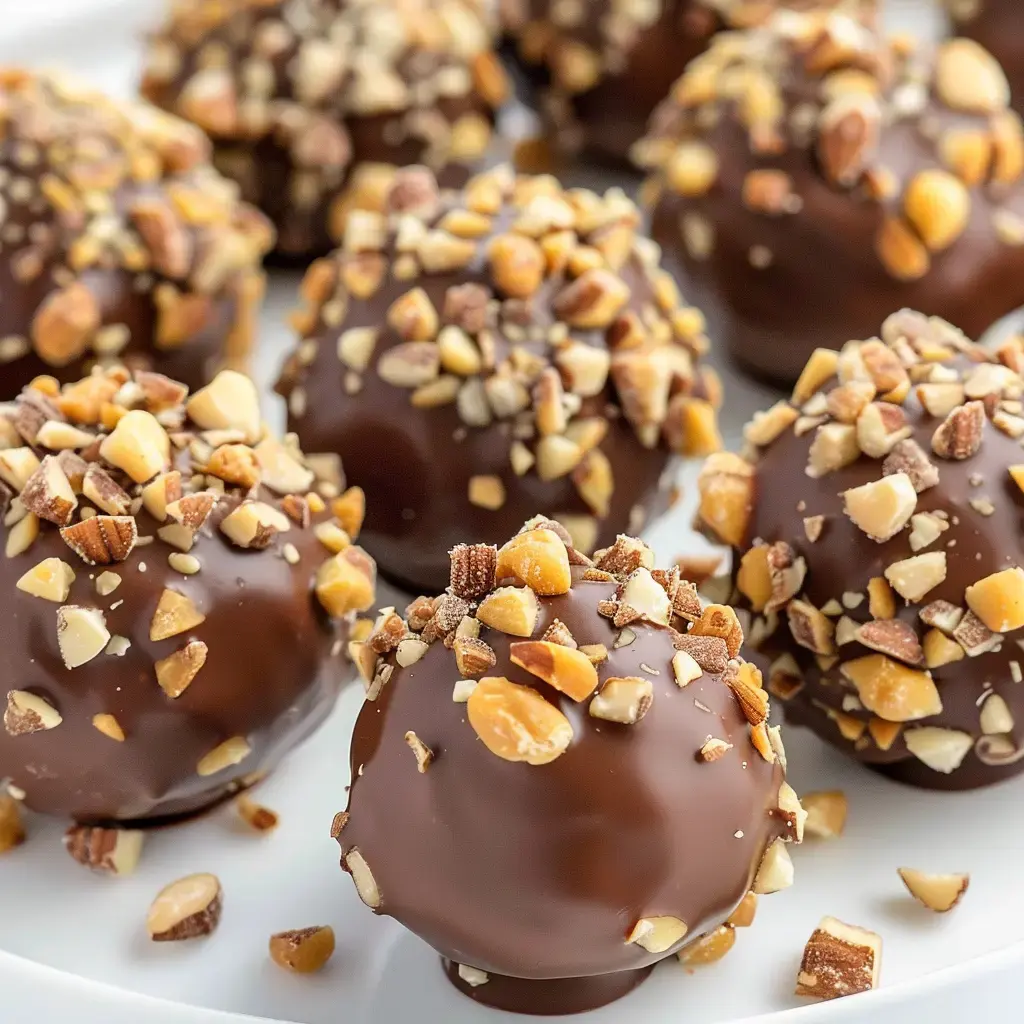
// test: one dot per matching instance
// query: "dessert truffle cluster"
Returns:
(877, 532)
(808, 152)
(563, 772)
(178, 592)
(486, 355)
(997, 25)
(312, 105)
(118, 240)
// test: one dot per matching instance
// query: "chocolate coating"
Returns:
(866, 184)
(415, 460)
(542, 871)
(271, 675)
(118, 241)
(602, 68)
(318, 104)
(996, 24)
(983, 507)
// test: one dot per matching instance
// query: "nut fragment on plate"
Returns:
(259, 818)
(189, 908)
(107, 850)
(839, 960)
(826, 813)
(304, 950)
(12, 829)
(940, 893)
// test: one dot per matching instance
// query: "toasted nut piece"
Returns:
(350, 510)
(996, 718)
(811, 628)
(175, 613)
(26, 713)
(176, 672)
(940, 893)
(834, 446)
(12, 831)
(710, 948)
(914, 577)
(776, 870)
(819, 368)
(891, 690)
(81, 634)
(644, 595)
(720, 620)
(256, 816)
(826, 813)
(517, 723)
(939, 650)
(254, 524)
(138, 445)
(743, 915)
(163, 491)
(512, 610)
(998, 600)
(892, 637)
(692, 168)
(22, 535)
(882, 508)
(881, 601)
(685, 668)
(346, 582)
(486, 492)
(623, 699)
(657, 934)
(969, 78)
(229, 402)
(726, 486)
(304, 951)
(939, 206)
(366, 886)
(537, 558)
(839, 960)
(900, 250)
(766, 426)
(960, 435)
(943, 750)
(228, 753)
(109, 726)
(50, 579)
(102, 540)
(189, 908)
(567, 670)
(424, 755)
(104, 492)
(49, 494)
(754, 578)
(113, 851)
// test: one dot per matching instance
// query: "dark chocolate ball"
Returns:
(603, 67)
(811, 178)
(484, 355)
(878, 538)
(551, 783)
(118, 240)
(312, 106)
(997, 25)
(177, 597)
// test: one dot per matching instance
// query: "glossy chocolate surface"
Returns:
(541, 872)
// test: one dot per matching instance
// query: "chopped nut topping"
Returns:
(186, 909)
(424, 755)
(81, 634)
(228, 753)
(109, 726)
(107, 850)
(998, 600)
(914, 577)
(882, 508)
(51, 580)
(714, 749)
(26, 713)
(259, 818)
(538, 559)
(657, 934)
(940, 893)
(102, 540)
(624, 700)
(175, 614)
(810, 628)
(304, 951)
(776, 870)
(892, 691)
(892, 637)
(567, 670)
(839, 960)
(176, 672)
(516, 723)
(12, 830)
(826, 814)
(720, 621)
(942, 750)
(960, 435)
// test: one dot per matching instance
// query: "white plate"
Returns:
(74, 943)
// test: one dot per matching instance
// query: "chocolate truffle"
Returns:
(312, 104)
(484, 355)
(812, 178)
(998, 26)
(118, 240)
(178, 595)
(878, 542)
(563, 772)
(603, 67)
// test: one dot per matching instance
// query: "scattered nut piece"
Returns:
(228, 753)
(113, 851)
(775, 871)
(12, 830)
(304, 951)
(839, 960)
(256, 816)
(657, 934)
(516, 723)
(424, 755)
(826, 813)
(50, 579)
(186, 909)
(623, 699)
(940, 893)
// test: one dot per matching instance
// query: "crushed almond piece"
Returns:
(839, 960)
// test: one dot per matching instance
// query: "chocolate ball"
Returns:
(997, 25)
(878, 544)
(177, 596)
(563, 772)
(603, 67)
(811, 178)
(484, 355)
(312, 106)
(118, 240)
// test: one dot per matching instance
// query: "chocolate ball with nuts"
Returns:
(313, 105)
(484, 355)
(118, 240)
(996, 25)
(563, 773)
(812, 178)
(180, 585)
(877, 531)
(603, 67)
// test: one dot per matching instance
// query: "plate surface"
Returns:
(73, 942)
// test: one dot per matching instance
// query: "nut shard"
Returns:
(839, 960)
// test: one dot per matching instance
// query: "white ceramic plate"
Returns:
(72, 943)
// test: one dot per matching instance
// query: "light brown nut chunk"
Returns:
(346, 582)
(710, 948)
(882, 508)
(256, 816)
(175, 613)
(229, 402)
(940, 893)
(102, 540)
(776, 870)
(108, 850)
(719, 620)
(538, 559)
(516, 723)
(726, 485)
(225, 755)
(943, 750)
(50, 579)
(27, 713)
(176, 672)
(568, 670)
(826, 813)
(839, 960)
(366, 885)
(998, 600)
(657, 934)
(623, 699)
(512, 610)
(743, 915)
(138, 445)
(82, 634)
(914, 577)
(303, 951)
(189, 908)
(891, 690)
(12, 830)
